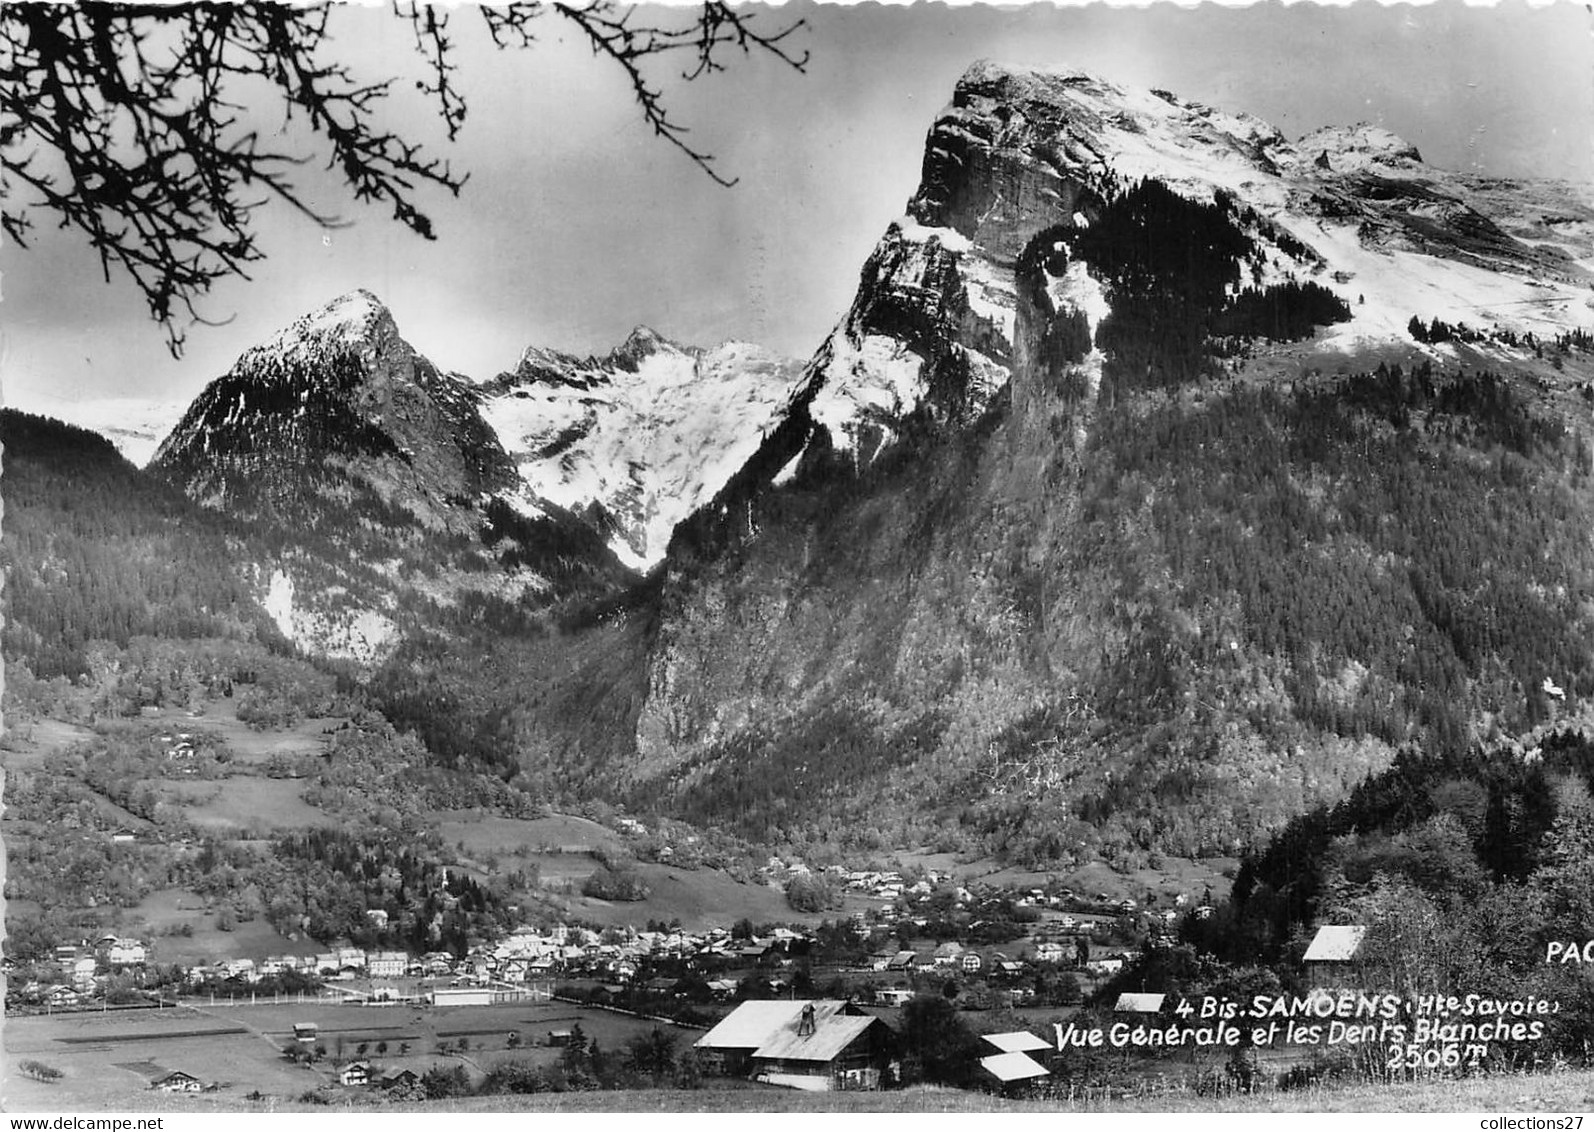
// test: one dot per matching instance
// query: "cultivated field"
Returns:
(109, 1059)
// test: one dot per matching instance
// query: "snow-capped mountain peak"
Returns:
(347, 321)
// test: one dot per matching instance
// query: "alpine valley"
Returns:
(1165, 479)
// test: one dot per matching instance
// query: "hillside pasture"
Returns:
(487, 833)
(700, 898)
(27, 746)
(248, 744)
(244, 804)
(168, 913)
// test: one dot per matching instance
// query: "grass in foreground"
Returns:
(1562, 1092)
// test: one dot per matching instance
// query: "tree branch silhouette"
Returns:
(129, 123)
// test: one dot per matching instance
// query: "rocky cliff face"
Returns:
(1096, 526)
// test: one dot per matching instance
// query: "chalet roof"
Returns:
(1017, 1041)
(1132, 1003)
(831, 1035)
(1007, 1067)
(759, 1025)
(751, 1023)
(1335, 942)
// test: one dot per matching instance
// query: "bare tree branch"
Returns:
(127, 123)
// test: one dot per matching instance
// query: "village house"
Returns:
(892, 996)
(398, 1077)
(972, 962)
(902, 961)
(126, 953)
(386, 964)
(356, 1074)
(1049, 951)
(62, 995)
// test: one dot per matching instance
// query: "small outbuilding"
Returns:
(1333, 957)
(1013, 1070)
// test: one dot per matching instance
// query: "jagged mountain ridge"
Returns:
(338, 426)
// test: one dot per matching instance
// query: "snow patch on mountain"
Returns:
(347, 320)
(868, 385)
(360, 635)
(644, 436)
(278, 602)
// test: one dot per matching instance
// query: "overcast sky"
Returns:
(577, 225)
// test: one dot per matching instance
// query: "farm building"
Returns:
(462, 996)
(1332, 957)
(398, 1077)
(178, 1082)
(815, 1046)
(1013, 1070)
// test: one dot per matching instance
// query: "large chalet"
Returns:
(812, 1045)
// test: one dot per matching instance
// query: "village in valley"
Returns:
(810, 1003)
